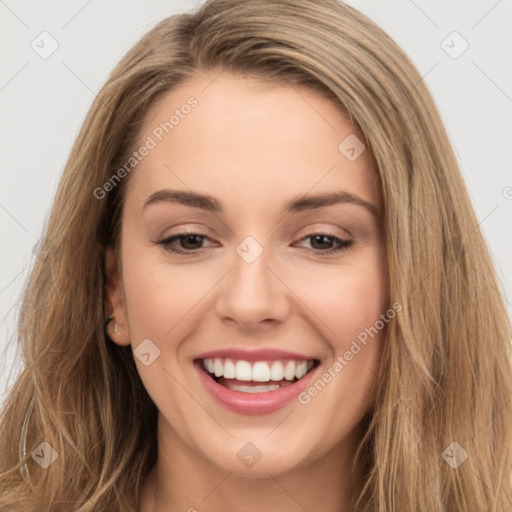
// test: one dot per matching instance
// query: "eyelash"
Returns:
(166, 243)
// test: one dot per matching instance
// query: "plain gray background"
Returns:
(43, 102)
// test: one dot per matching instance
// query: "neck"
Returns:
(183, 481)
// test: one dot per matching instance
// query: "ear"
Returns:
(117, 328)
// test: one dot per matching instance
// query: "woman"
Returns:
(262, 287)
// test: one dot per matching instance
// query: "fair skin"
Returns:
(253, 147)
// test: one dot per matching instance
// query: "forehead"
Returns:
(246, 140)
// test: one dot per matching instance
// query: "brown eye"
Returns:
(191, 241)
(183, 243)
(326, 243)
(321, 241)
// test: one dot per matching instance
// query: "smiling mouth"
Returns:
(257, 376)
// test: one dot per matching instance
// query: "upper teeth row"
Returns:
(260, 371)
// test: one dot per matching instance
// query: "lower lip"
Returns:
(253, 403)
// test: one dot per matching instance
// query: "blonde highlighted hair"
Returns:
(446, 373)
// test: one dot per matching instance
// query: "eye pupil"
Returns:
(197, 239)
(322, 241)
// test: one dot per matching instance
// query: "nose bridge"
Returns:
(251, 293)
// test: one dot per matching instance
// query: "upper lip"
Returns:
(262, 354)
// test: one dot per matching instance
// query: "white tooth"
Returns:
(229, 369)
(243, 371)
(300, 370)
(310, 365)
(254, 389)
(289, 370)
(261, 372)
(218, 367)
(210, 366)
(277, 371)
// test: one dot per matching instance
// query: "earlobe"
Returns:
(117, 321)
(116, 333)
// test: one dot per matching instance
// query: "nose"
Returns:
(252, 295)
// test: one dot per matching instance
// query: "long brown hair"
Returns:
(446, 372)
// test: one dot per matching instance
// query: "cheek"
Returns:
(350, 303)
(159, 294)
(345, 299)
(163, 303)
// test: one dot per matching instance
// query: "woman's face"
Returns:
(279, 270)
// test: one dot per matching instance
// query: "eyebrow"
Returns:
(202, 201)
(211, 204)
